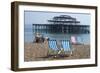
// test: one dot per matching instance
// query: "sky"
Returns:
(41, 17)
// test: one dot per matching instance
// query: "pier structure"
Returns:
(62, 24)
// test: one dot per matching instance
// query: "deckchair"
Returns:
(53, 49)
(66, 46)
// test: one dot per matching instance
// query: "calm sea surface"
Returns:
(81, 38)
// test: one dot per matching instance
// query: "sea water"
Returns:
(29, 36)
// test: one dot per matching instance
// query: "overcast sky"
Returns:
(37, 17)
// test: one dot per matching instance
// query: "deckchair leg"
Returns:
(71, 53)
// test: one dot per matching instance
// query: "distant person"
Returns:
(73, 40)
(39, 38)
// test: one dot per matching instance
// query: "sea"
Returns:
(29, 35)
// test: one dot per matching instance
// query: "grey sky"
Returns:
(42, 17)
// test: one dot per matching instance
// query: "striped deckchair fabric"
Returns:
(66, 45)
(53, 44)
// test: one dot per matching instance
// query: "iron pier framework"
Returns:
(62, 24)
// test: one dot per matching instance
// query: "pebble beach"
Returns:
(39, 51)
